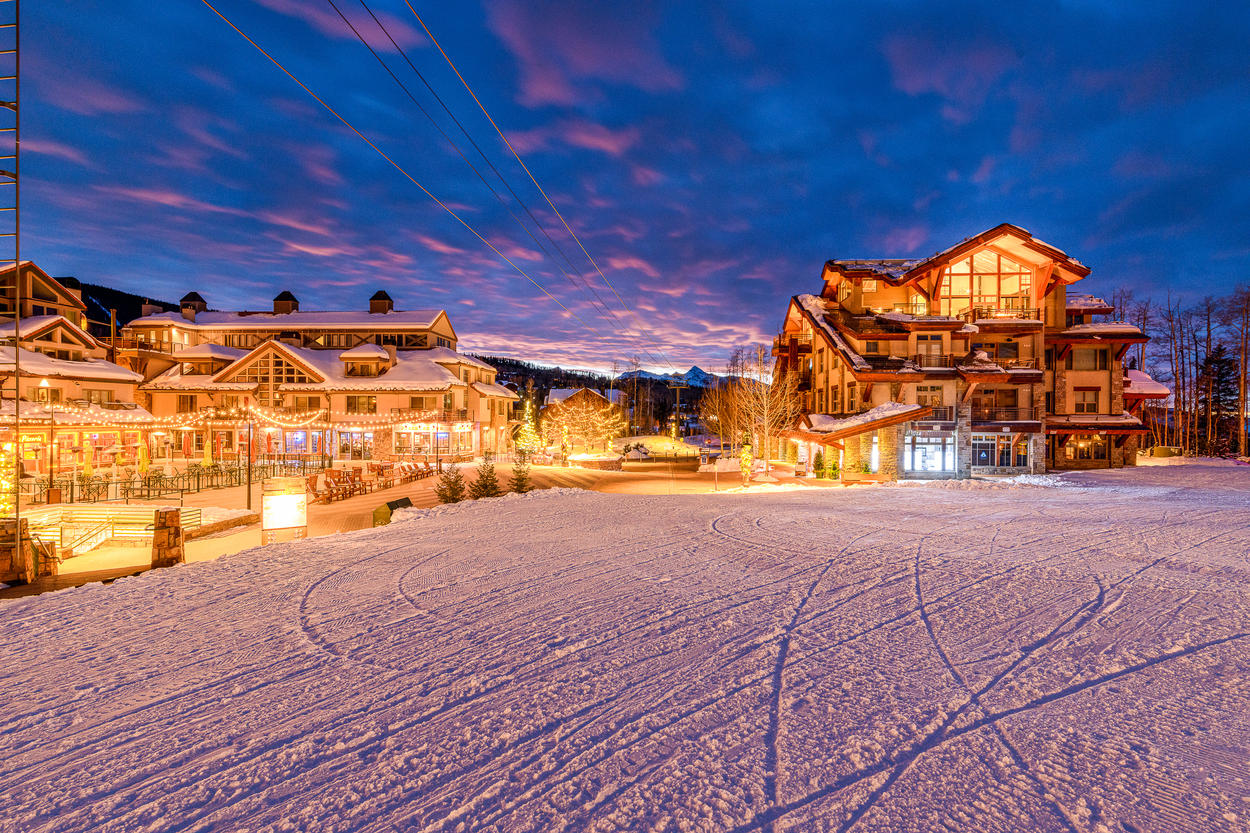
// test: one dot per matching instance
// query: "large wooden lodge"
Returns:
(976, 360)
(371, 384)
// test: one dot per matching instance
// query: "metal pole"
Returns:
(17, 285)
(249, 465)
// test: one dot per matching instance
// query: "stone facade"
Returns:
(167, 543)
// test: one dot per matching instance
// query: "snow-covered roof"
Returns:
(416, 319)
(826, 424)
(413, 370)
(898, 271)
(445, 355)
(33, 324)
(91, 414)
(210, 351)
(1103, 328)
(1081, 302)
(491, 389)
(616, 397)
(175, 379)
(1120, 420)
(37, 364)
(816, 307)
(365, 351)
(1139, 383)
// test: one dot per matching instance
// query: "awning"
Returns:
(827, 430)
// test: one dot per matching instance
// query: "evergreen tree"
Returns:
(450, 487)
(486, 484)
(527, 440)
(519, 482)
(818, 464)
(745, 461)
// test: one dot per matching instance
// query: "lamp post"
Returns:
(46, 389)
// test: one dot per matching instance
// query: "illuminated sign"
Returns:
(283, 510)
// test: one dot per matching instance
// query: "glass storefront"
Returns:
(355, 445)
(931, 452)
(1000, 450)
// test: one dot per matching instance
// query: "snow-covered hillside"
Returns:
(1068, 658)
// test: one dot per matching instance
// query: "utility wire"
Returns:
(596, 300)
(520, 161)
(484, 157)
(395, 164)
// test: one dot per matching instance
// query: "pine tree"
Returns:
(486, 484)
(519, 482)
(450, 487)
(818, 464)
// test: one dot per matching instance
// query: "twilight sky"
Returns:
(710, 155)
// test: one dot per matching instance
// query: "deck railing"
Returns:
(1010, 414)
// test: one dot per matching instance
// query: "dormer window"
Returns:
(361, 369)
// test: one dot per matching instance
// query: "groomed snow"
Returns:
(878, 659)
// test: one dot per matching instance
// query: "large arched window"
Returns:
(986, 279)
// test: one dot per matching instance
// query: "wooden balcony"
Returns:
(1009, 414)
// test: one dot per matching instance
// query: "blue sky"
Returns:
(710, 156)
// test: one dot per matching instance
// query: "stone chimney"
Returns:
(190, 304)
(149, 309)
(285, 303)
(381, 303)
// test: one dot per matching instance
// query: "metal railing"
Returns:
(1011, 414)
(934, 360)
(131, 343)
(979, 312)
(1017, 364)
(941, 413)
(783, 341)
(194, 479)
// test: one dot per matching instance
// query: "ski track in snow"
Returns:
(1055, 658)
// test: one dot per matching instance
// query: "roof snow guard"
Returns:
(898, 271)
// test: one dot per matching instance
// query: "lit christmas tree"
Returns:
(527, 439)
(8, 466)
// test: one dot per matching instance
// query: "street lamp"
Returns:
(46, 395)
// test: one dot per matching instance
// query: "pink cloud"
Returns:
(636, 263)
(559, 45)
(904, 240)
(961, 74)
(291, 222)
(645, 176)
(577, 133)
(48, 147)
(437, 245)
(326, 21)
(984, 171)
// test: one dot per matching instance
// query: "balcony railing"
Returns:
(781, 344)
(1017, 414)
(934, 360)
(431, 415)
(989, 313)
(1017, 364)
(941, 413)
(129, 343)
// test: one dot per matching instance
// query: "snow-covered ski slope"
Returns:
(1066, 658)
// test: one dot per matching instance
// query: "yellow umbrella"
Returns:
(143, 457)
(208, 453)
(87, 453)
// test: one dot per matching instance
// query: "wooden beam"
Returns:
(972, 386)
(1063, 352)
(1119, 354)
(867, 391)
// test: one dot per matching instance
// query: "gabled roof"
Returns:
(899, 272)
(210, 351)
(366, 351)
(297, 356)
(34, 326)
(33, 363)
(57, 287)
